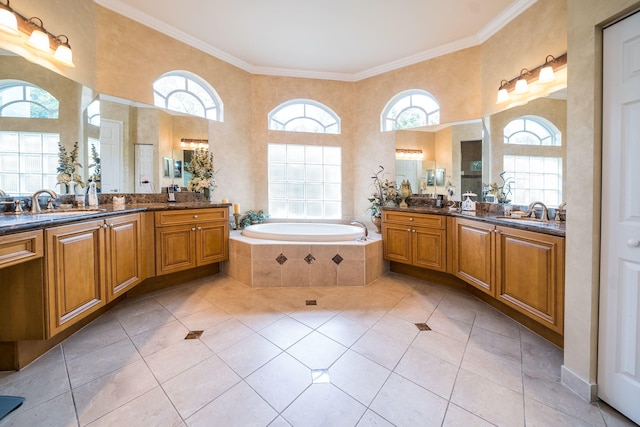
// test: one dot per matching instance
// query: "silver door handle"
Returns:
(633, 243)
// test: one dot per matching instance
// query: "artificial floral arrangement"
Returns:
(203, 176)
(384, 192)
(67, 163)
(500, 191)
(254, 217)
(95, 176)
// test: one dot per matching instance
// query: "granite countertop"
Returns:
(12, 223)
(554, 228)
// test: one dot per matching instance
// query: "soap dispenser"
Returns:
(93, 195)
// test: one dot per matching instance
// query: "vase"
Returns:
(207, 194)
(377, 221)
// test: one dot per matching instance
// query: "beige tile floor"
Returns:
(267, 359)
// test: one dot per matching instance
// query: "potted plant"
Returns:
(384, 194)
(203, 175)
(67, 163)
(501, 192)
(254, 217)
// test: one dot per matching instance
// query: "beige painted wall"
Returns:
(585, 21)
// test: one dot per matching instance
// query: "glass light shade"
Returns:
(546, 74)
(39, 40)
(503, 95)
(521, 86)
(63, 54)
(8, 21)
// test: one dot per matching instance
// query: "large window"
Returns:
(533, 158)
(304, 115)
(410, 109)
(23, 99)
(187, 93)
(305, 181)
(28, 162)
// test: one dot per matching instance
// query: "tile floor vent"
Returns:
(193, 335)
(281, 259)
(423, 327)
(311, 302)
(337, 259)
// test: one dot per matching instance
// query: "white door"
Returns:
(111, 155)
(619, 340)
(144, 169)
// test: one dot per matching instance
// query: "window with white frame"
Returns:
(187, 93)
(532, 130)
(410, 109)
(305, 181)
(304, 115)
(26, 100)
(536, 177)
(28, 161)
(93, 113)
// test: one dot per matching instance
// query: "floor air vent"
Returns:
(311, 302)
(423, 326)
(193, 335)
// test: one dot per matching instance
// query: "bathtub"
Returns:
(274, 255)
(304, 232)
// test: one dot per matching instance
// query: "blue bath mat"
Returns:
(8, 404)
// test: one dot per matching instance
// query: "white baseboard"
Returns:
(578, 385)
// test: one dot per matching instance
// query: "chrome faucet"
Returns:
(545, 211)
(366, 230)
(2, 193)
(35, 205)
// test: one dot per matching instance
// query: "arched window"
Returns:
(23, 99)
(410, 109)
(304, 115)
(533, 159)
(532, 130)
(187, 93)
(93, 113)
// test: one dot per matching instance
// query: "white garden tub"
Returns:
(304, 232)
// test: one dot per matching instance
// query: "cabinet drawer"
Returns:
(423, 220)
(189, 216)
(22, 247)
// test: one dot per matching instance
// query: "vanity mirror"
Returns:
(475, 152)
(129, 139)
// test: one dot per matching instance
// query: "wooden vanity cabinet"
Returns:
(473, 254)
(530, 274)
(76, 273)
(22, 315)
(415, 239)
(124, 242)
(191, 238)
(89, 264)
(522, 269)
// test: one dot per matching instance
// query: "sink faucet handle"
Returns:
(18, 208)
(50, 204)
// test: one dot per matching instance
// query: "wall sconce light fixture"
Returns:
(194, 143)
(40, 39)
(541, 74)
(404, 154)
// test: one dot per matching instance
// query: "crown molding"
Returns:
(519, 6)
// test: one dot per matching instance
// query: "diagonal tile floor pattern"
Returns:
(253, 364)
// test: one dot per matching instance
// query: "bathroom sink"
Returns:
(522, 220)
(67, 213)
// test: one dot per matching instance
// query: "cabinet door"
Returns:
(530, 274)
(212, 242)
(473, 254)
(430, 248)
(75, 273)
(397, 243)
(125, 258)
(175, 248)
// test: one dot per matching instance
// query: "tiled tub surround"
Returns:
(269, 264)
